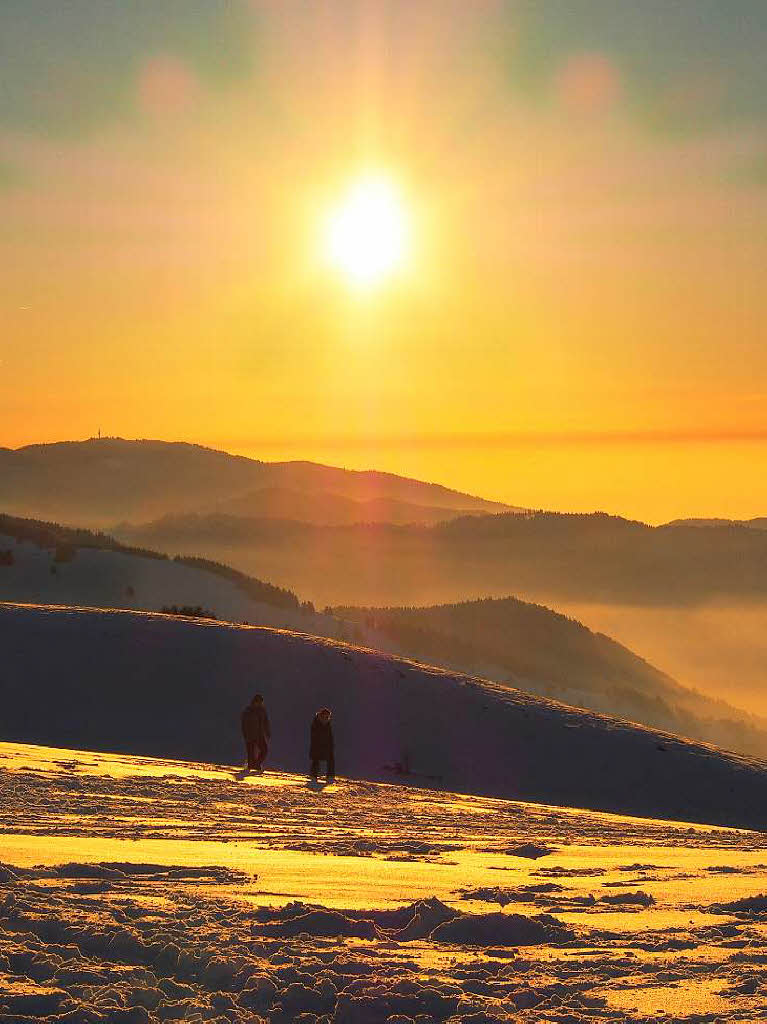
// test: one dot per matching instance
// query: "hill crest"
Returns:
(178, 685)
(102, 481)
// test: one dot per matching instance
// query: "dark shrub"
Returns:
(190, 611)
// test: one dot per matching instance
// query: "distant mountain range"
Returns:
(325, 508)
(103, 481)
(543, 555)
(758, 523)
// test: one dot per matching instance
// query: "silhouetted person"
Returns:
(256, 732)
(321, 747)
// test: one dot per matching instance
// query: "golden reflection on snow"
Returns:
(636, 893)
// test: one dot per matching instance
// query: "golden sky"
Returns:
(579, 324)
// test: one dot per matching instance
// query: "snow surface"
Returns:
(159, 685)
(139, 891)
(114, 579)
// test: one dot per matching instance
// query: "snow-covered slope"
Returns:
(116, 579)
(540, 651)
(156, 684)
(203, 896)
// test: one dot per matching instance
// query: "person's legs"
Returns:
(250, 746)
(331, 767)
(263, 750)
(315, 769)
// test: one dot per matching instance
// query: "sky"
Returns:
(580, 322)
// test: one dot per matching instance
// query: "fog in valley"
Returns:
(718, 648)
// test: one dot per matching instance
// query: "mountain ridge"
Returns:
(101, 481)
(541, 555)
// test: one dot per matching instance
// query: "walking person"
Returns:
(321, 747)
(256, 732)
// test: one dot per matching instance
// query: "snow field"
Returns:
(139, 891)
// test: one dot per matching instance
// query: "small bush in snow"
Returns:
(190, 611)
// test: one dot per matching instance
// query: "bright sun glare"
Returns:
(367, 235)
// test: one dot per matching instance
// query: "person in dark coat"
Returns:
(256, 732)
(321, 747)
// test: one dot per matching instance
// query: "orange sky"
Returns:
(581, 324)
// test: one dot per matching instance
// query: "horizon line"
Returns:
(492, 439)
(499, 439)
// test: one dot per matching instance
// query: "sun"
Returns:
(367, 235)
